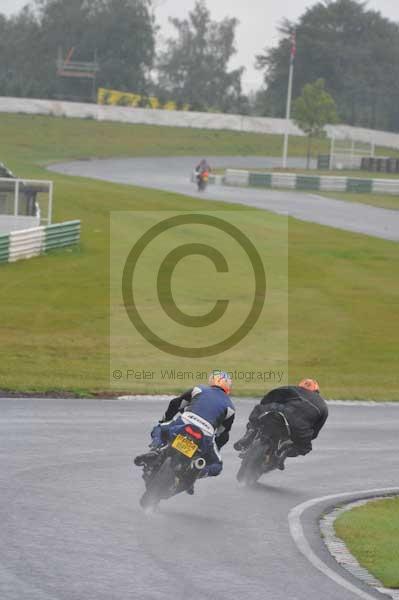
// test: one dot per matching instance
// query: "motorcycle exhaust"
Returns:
(199, 463)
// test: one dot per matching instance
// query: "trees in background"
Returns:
(19, 45)
(314, 109)
(121, 32)
(353, 49)
(194, 66)
(356, 52)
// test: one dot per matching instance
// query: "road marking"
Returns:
(373, 403)
(298, 534)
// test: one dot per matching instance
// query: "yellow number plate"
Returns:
(184, 445)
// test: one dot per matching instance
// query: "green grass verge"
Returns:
(27, 140)
(343, 296)
(379, 200)
(371, 533)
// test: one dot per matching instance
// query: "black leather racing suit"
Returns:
(305, 411)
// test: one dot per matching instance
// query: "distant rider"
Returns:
(203, 167)
(207, 407)
(303, 407)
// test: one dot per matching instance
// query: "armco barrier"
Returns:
(361, 186)
(283, 180)
(61, 234)
(306, 182)
(27, 243)
(237, 177)
(260, 180)
(4, 247)
(311, 183)
(333, 184)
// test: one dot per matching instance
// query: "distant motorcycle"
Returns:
(264, 453)
(175, 467)
(202, 178)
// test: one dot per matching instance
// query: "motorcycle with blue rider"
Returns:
(185, 444)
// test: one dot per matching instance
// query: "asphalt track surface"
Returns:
(173, 174)
(71, 525)
(72, 529)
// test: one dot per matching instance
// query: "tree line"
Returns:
(353, 49)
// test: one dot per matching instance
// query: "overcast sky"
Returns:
(258, 22)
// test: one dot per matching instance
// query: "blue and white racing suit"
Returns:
(208, 408)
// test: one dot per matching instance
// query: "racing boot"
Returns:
(147, 459)
(280, 461)
(282, 453)
(245, 441)
(190, 490)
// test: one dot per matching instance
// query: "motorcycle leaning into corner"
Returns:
(267, 450)
(175, 466)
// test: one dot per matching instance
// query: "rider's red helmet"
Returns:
(222, 380)
(309, 384)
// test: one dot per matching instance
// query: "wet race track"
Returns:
(71, 526)
(173, 174)
(72, 529)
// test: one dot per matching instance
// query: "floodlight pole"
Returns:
(289, 99)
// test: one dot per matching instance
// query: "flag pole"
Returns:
(289, 98)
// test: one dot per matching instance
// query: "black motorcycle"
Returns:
(267, 449)
(174, 468)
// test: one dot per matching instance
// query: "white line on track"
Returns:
(373, 403)
(298, 534)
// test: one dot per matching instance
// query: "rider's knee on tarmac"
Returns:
(156, 437)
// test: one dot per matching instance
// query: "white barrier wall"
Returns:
(185, 119)
(39, 240)
(125, 114)
(25, 244)
(10, 223)
(310, 182)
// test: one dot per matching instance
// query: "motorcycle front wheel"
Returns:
(252, 463)
(159, 487)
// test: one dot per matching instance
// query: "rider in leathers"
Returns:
(208, 407)
(303, 407)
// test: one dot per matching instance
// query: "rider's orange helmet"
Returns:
(222, 380)
(309, 384)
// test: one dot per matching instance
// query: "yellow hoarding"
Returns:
(117, 98)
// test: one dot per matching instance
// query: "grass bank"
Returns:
(371, 533)
(378, 200)
(30, 140)
(342, 298)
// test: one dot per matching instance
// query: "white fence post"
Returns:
(16, 197)
(50, 204)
